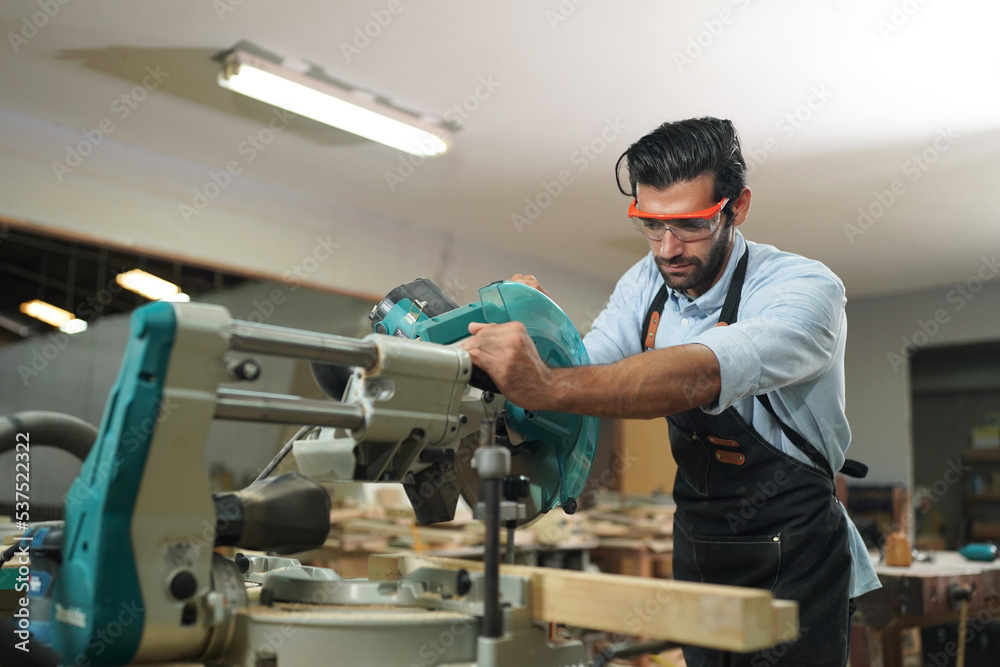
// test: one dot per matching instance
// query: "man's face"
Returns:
(695, 266)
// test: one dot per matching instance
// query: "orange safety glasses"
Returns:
(697, 226)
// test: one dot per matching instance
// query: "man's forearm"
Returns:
(652, 384)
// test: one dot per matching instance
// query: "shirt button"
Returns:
(684, 321)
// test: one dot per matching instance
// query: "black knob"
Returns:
(516, 487)
(463, 582)
(183, 585)
(569, 506)
(242, 562)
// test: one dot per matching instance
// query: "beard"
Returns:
(702, 274)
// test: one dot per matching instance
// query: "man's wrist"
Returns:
(558, 389)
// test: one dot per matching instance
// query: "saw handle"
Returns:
(480, 380)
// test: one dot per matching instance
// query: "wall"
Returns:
(883, 333)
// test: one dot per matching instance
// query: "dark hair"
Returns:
(684, 150)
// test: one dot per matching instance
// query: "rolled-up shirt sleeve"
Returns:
(616, 331)
(787, 333)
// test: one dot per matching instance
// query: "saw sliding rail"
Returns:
(268, 339)
(237, 404)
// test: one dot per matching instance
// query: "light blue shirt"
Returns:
(788, 342)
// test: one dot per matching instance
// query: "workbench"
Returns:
(918, 597)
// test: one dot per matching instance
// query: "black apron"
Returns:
(750, 515)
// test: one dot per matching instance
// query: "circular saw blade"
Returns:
(557, 449)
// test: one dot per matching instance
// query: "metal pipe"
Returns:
(511, 526)
(492, 620)
(284, 409)
(490, 484)
(285, 342)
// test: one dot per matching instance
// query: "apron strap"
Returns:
(735, 293)
(652, 320)
(804, 445)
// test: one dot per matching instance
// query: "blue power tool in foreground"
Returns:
(134, 576)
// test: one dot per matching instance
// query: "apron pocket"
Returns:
(750, 561)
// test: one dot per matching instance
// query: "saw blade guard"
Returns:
(557, 451)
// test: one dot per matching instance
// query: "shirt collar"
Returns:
(715, 297)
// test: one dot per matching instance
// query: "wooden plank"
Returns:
(723, 617)
(377, 528)
(786, 620)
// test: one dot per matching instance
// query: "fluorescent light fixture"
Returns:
(308, 96)
(148, 285)
(74, 326)
(46, 312)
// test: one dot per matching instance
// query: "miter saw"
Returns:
(131, 575)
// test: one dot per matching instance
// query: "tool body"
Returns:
(141, 522)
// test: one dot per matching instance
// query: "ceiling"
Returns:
(836, 102)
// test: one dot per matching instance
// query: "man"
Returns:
(741, 347)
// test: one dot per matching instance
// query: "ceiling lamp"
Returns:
(327, 103)
(149, 286)
(54, 316)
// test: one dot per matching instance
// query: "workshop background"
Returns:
(872, 131)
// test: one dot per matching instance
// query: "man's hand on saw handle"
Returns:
(508, 355)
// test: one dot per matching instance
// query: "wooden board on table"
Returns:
(722, 617)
